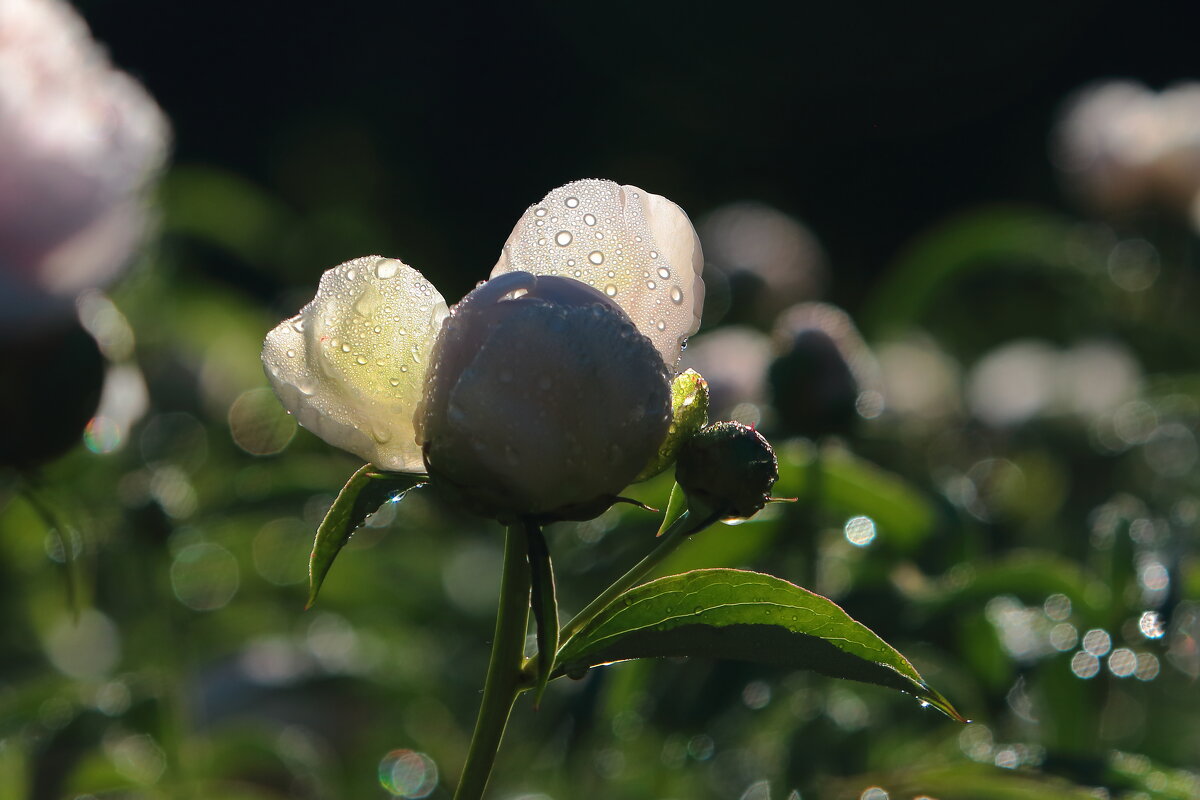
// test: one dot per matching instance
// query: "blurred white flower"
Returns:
(79, 142)
(544, 390)
(1123, 147)
(734, 360)
(770, 259)
(1026, 378)
(920, 380)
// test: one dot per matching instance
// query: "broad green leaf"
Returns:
(744, 616)
(363, 494)
(852, 486)
(545, 607)
(689, 413)
(975, 241)
(1031, 576)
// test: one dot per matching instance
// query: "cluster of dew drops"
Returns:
(605, 265)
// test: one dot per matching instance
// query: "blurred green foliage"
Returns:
(1040, 571)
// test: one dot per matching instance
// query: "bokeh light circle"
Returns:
(408, 774)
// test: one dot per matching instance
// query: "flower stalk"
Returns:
(504, 676)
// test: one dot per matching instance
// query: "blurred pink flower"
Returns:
(79, 143)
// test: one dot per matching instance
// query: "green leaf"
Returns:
(676, 508)
(976, 241)
(852, 486)
(744, 616)
(689, 413)
(545, 607)
(363, 494)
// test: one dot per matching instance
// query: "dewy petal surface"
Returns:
(638, 248)
(351, 365)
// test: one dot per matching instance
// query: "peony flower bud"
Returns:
(79, 142)
(544, 392)
(543, 399)
(727, 470)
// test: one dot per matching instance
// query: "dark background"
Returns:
(868, 121)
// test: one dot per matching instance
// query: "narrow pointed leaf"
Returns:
(676, 507)
(545, 608)
(689, 413)
(744, 616)
(363, 494)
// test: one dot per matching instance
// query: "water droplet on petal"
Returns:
(663, 272)
(596, 257)
(654, 254)
(661, 325)
(610, 290)
(589, 219)
(676, 295)
(563, 238)
(360, 360)
(387, 268)
(298, 325)
(345, 348)
(541, 212)
(291, 353)
(572, 202)
(651, 285)
(395, 381)
(351, 274)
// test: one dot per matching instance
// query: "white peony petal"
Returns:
(638, 248)
(351, 365)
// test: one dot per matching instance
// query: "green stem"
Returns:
(504, 677)
(674, 536)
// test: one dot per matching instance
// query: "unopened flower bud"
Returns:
(727, 469)
(542, 400)
(821, 368)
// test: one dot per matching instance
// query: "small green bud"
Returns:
(727, 469)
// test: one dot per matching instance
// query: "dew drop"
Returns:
(416, 354)
(381, 436)
(298, 325)
(570, 262)
(589, 219)
(578, 273)
(651, 285)
(395, 381)
(676, 295)
(563, 238)
(360, 360)
(571, 202)
(661, 325)
(542, 241)
(541, 212)
(351, 274)
(610, 290)
(654, 254)
(345, 348)
(387, 268)
(540, 222)
(291, 353)
(404, 368)
(663, 272)
(596, 257)
(599, 235)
